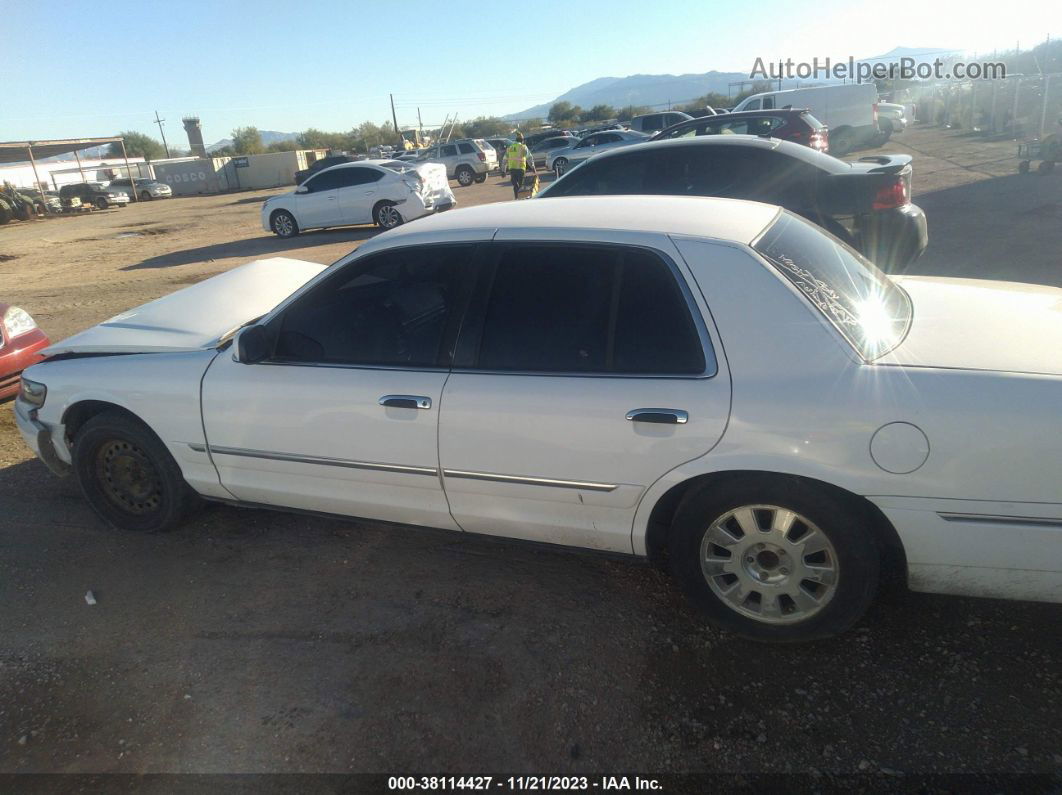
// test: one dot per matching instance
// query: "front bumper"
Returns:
(39, 438)
(893, 239)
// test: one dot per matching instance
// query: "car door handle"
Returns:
(664, 416)
(406, 402)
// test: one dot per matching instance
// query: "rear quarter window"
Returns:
(869, 310)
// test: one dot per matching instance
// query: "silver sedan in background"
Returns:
(560, 160)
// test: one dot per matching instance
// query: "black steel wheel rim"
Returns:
(128, 478)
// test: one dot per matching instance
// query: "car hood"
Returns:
(196, 317)
(969, 324)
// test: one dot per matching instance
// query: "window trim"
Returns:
(350, 270)
(466, 348)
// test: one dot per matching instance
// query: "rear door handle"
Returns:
(664, 416)
(406, 401)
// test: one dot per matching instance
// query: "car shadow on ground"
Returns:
(1007, 228)
(256, 247)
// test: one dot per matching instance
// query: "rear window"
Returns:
(812, 121)
(466, 149)
(870, 310)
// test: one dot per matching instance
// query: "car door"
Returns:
(585, 148)
(317, 200)
(448, 157)
(583, 373)
(358, 193)
(340, 415)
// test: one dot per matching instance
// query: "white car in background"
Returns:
(383, 192)
(713, 382)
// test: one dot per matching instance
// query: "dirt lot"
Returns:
(262, 642)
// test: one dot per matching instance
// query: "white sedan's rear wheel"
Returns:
(386, 215)
(775, 559)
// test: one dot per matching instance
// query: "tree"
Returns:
(283, 146)
(487, 127)
(562, 112)
(313, 138)
(629, 112)
(137, 145)
(247, 141)
(598, 113)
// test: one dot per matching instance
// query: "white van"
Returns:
(850, 111)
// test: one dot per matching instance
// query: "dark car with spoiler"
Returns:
(866, 204)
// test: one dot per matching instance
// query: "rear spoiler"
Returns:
(886, 164)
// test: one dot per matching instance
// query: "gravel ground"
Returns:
(261, 642)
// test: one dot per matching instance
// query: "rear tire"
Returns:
(842, 142)
(129, 477)
(386, 216)
(560, 165)
(813, 579)
(465, 176)
(283, 224)
(145, 196)
(1045, 167)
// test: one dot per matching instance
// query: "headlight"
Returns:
(18, 321)
(32, 392)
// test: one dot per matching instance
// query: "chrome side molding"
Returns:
(529, 481)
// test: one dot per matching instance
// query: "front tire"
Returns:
(283, 224)
(128, 476)
(386, 216)
(774, 559)
(560, 165)
(102, 203)
(842, 142)
(145, 196)
(465, 176)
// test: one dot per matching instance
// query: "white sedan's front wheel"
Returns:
(775, 559)
(284, 224)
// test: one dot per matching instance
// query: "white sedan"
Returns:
(713, 382)
(383, 192)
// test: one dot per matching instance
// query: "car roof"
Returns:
(726, 219)
(811, 156)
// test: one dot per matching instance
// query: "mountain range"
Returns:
(660, 91)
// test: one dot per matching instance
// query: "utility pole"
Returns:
(394, 118)
(162, 132)
(420, 123)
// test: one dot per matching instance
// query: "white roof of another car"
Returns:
(723, 219)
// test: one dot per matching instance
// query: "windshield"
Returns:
(867, 307)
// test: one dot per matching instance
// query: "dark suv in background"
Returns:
(93, 194)
(798, 126)
(325, 162)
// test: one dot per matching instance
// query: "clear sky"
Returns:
(80, 68)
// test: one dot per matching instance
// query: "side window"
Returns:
(450, 150)
(325, 180)
(393, 309)
(730, 172)
(587, 309)
(754, 105)
(603, 176)
(358, 176)
(610, 138)
(651, 123)
(768, 103)
(591, 140)
(466, 148)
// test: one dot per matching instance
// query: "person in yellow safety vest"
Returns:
(517, 157)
